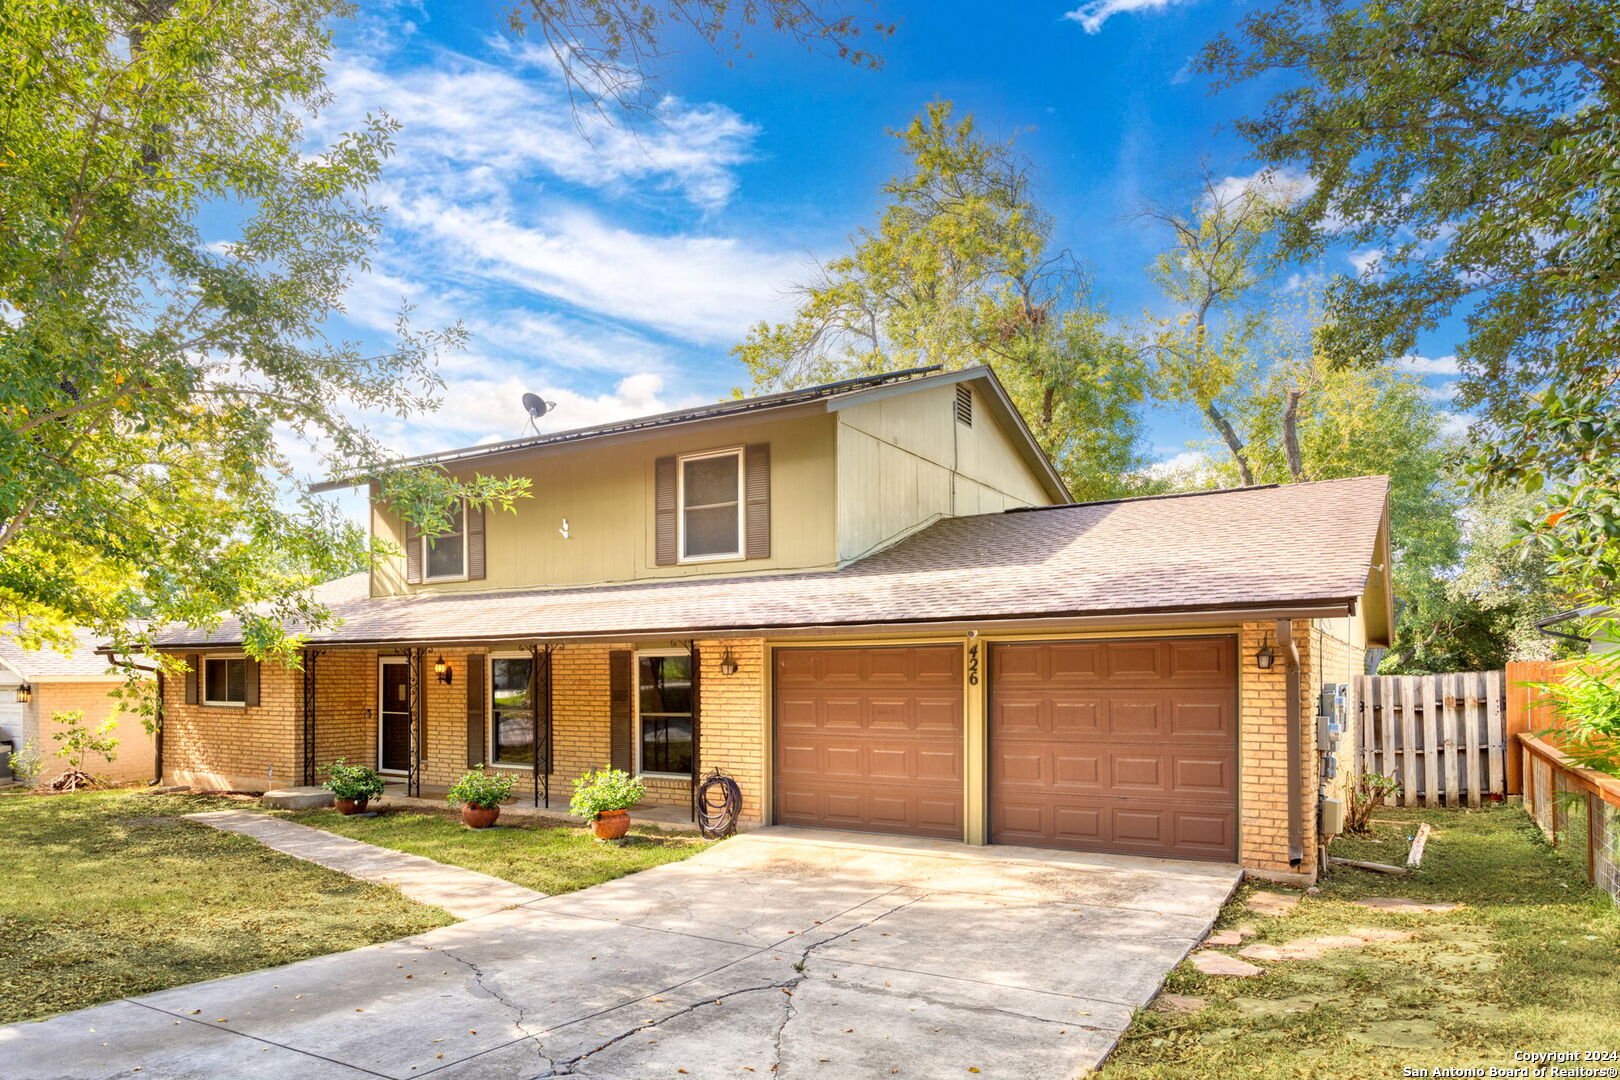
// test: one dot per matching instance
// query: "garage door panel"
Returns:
(887, 739)
(1118, 746)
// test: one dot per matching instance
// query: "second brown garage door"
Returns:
(1127, 746)
(870, 739)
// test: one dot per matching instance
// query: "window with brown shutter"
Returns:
(413, 554)
(193, 678)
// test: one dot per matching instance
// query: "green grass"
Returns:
(1530, 963)
(109, 894)
(547, 857)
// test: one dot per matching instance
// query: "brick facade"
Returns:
(132, 761)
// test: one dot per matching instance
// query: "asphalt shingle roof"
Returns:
(43, 665)
(1245, 547)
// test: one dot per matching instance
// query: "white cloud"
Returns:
(1283, 186)
(1092, 14)
(1455, 425)
(1187, 469)
(1428, 365)
(1442, 393)
(476, 127)
(703, 288)
(1367, 263)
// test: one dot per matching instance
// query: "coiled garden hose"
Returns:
(719, 804)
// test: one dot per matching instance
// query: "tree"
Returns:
(1468, 150)
(1212, 275)
(958, 271)
(608, 51)
(170, 248)
(1482, 612)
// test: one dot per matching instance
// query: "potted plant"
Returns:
(480, 794)
(604, 798)
(352, 786)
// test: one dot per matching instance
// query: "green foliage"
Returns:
(608, 789)
(607, 51)
(959, 272)
(481, 788)
(1472, 149)
(1366, 795)
(78, 741)
(355, 782)
(154, 368)
(1481, 613)
(25, 761)
(1587, 701)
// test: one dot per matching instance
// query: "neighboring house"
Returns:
(870, 603)
(36, 684)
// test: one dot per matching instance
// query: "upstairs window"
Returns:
(711, 506)
(444, 557)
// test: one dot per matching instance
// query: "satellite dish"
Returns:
(536, 406)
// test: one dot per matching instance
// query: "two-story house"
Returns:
(871, 603)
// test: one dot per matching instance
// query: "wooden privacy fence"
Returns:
(1577, 809)
(1444, 737)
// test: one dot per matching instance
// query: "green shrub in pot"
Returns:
(482, 789)
(605, 791)
(353, 782)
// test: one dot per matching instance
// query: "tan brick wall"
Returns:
(1263, 753)
(132, 760)
(242, 748)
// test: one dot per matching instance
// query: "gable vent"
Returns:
(964, 404)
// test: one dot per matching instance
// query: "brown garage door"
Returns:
(1127, 746)
(870, 739)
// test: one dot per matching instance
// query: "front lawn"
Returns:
(543, 856)
(1530, 963)
(109, 894)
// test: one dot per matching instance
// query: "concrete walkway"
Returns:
(466, 894)
(784, 953)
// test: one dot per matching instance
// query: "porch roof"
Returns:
(1235, 549)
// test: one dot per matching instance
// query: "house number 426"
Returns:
(973, 665)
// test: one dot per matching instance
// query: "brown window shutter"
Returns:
(664, 511)
(757, 495)
(619, 713)
(413, 554)
(475, 710)
(475, 543)
(193, 678)
(250, 681)
(542, 709)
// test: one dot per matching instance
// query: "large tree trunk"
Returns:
(1233, 443)
(1290, 434)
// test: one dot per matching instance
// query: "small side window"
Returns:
(225, 681)
(444, 557)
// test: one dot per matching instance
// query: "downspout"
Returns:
(157, 733)
(1296, 827)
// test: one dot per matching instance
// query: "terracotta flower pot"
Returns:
(611, 824)
(479, 817)
(351, 806)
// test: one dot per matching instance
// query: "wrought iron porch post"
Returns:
(309, 715)
(697, 681)
(534, 723)
(413, 675)
(549, 764)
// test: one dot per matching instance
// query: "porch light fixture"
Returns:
(25, 694)
(441, 668)
(728, 666)
(1265, 658)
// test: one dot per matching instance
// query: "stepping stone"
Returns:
(1401, 904)
(1300, 1003)
(1225, 937)
(1271, 903)
(296, 798)
(1213, 963)
(1178, 1004)
(1313, 947)
(1401, 1035)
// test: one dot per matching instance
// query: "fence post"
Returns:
(1521, 714)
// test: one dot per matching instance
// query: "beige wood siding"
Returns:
(606, 492)
(905, 461)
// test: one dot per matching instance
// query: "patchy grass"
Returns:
(539, 855)
(1530, 964)
(109, 894)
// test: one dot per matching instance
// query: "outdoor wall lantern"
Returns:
(441, 668)
(728, 666)
(1265, 658)
(25, 694)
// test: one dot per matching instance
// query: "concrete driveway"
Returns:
(806, 953)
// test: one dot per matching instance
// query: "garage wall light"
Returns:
(25, 694)
(1265, 658)
(441, 668)
(728, 665)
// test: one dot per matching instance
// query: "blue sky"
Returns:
(613, 273)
